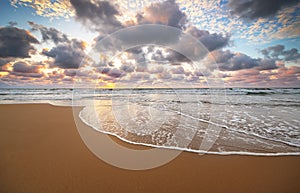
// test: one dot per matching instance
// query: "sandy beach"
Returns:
(41, 151)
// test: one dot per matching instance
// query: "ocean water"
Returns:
(217, 121)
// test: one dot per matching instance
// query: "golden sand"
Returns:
(41, 151)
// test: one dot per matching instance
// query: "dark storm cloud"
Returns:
(228, 61)
(15, 42)
(252, 9)
(67, 55)
(279, 52)
(167, 13)
(98, 15)
(211, 41)
(49, 33)
(3, 62)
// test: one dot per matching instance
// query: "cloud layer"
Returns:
(21, 62)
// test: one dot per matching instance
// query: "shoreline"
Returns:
(192, 150)
(41, 151)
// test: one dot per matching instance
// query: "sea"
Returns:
(244, 121)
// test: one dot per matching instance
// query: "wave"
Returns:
(259, 93)
(240, 131)
(256, 97)
(186, 149)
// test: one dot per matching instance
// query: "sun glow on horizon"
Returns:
(106, 85)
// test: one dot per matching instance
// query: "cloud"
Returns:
(166, 55)
(238, 61)
(201, 72)
(114, 73)
(164, 75)
(176, 58)
(267, 64)
(49, 33)
(289, 71)
(229, 61)
(211, 41)
(134, 77)
(138, 35)
(12, 24)
(15, 42)
(253, 9)
(279, 52)
(281, 77)
(71, 72)
(67, 55)
(79, 73)
(178, 70)
(167, 13)
(127, 68)
(157, 69)
(97, 15)
(47, 8)
(3, 62)
(25, 68)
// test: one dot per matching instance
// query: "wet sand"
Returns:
(42, 151)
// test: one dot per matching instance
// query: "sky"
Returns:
(239, 43)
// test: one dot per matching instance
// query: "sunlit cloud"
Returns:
(47, 8)
(55, 58)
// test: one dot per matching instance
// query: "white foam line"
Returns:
(186, 149)
(239, 131)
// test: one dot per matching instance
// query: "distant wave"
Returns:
(259, 93)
